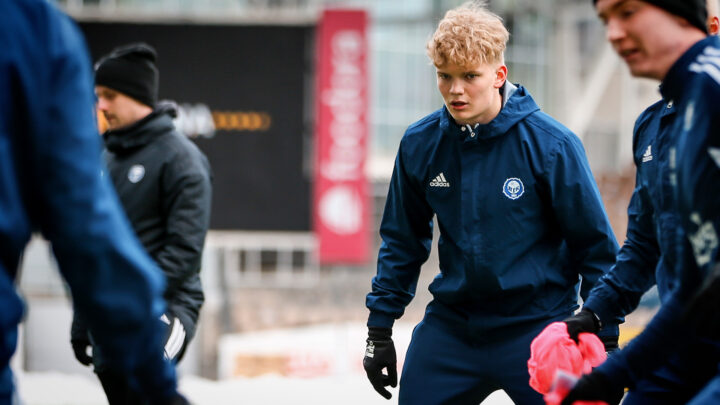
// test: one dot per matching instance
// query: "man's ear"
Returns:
(714, 25)
(500, 76)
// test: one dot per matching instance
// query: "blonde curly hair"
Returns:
(467, 36)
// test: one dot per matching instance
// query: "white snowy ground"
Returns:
(64, 389)
(325, 367)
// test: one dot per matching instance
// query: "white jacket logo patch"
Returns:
(439, 181)
(136, 173)
(513, 188)
(647, 156)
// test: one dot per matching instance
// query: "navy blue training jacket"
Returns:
(648, 255)
(693, 83)
(519, 213)
(50, 182)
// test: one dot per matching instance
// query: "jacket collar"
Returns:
(517, 104)
(676, 79)
(141, 132)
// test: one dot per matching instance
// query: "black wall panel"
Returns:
(240, 73)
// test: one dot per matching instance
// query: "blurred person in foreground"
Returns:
(648, 256)
(50, 182)
(164, 184)
(520, 220)
(673, 359)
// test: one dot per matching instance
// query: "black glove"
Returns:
(594, 387)
(79, 340)
(583, 321)
(380, 354)
(703, 309)
(587, 321)
(80, 349)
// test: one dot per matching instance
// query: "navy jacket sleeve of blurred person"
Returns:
(698, 166)
(618, 293)
(584, 224)
(115, 286)
(406, 232)
(665, 331)
(697, 169)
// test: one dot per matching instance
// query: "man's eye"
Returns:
(627, 13)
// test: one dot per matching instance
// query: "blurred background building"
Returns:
(244, 75)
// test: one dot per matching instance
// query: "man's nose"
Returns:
(456, 87)
(101, 104)
(614, 30)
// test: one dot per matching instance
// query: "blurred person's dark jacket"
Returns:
(168, 204)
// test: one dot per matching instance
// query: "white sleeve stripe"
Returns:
(715, 60)
(715, 154)
(712, 51)
(179, 338)
(712, 70)
(176, 339)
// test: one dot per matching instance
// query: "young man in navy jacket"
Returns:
(520, 218)
(672, 360)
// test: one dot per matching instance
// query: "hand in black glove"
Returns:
(703, 309)
(583, 321)
(80, 348)
(380, 354)
(594, 387)
(587, 321)
(80, 340)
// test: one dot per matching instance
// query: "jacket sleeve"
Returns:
(78, 329)
(187, 190)
(698, 173)
(115, 286)
(406, 232)
(619, 291)
(667, 330)
(579, 210)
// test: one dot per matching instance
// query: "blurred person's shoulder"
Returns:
(41, 24)
(706, 74)
(649, 113)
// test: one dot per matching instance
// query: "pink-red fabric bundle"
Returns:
(554, 350)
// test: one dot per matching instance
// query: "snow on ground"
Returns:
(318, 364)
(67, 389)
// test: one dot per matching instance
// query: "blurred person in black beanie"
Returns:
(164, 183)
(675, 210)
(131, 70)
(694, 12)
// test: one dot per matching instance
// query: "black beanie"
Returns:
(694, 11)
(131, 70)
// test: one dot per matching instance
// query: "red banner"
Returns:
(341, 213)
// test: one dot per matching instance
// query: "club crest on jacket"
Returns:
(136, 173)
(513, 188)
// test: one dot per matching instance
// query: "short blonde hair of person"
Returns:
(467, 36)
